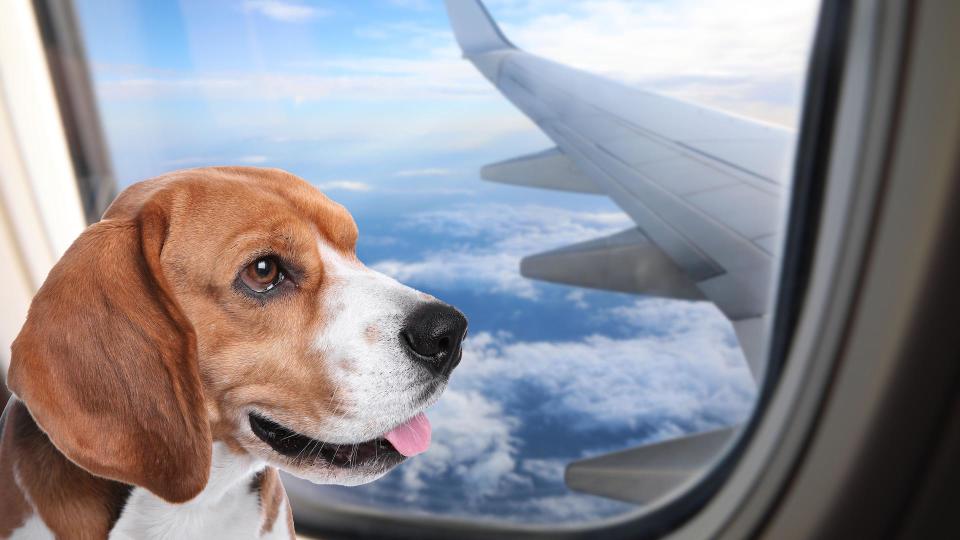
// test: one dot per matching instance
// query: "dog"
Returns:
(215, 326)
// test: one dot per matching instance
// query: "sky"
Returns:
(371, 102)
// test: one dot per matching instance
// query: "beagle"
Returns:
(214, 327)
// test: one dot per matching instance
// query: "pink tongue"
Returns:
(412, 437)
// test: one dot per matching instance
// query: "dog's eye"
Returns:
(262, 274)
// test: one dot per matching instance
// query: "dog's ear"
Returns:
(106, 362)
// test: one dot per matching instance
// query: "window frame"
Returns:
(66, 58)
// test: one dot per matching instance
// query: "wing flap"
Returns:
(645, 474)
(625, 262)
(549, 169)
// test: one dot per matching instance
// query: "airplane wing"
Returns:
(704, 187)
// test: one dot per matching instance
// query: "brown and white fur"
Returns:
(143, 356)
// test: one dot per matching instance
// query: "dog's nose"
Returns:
(434, 332)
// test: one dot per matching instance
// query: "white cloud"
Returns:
(567, 508)
(472, 439)
(494, 272)
(547, 469)
(344, 185)
(443, 75)
(693, 375)
(418, 5)
(513, 232)
(415, 35)
(189, 161)
(434, 171)
(578, 297)
(356, 108)
(284, 11)
(746, 56)
(206, 161)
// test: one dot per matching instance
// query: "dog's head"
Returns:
(228, 304)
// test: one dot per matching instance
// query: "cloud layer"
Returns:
(283, 11)
(344, 185)
(747, 56)
(495, 237)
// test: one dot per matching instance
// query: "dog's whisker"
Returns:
(309, 449)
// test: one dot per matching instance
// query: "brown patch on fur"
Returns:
(372, 334)
(293, 533)
(346, 365)
(269, 488)
(251, 351)
(14, 510)
(71, 502)
(232, 443)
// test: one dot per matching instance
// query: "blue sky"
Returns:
(371, 102)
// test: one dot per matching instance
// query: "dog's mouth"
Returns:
(306, 450)
(408, 439)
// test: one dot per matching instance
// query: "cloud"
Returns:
(368, 106)
(344, 185)
(435, 75)
(680, 377)
(418, 5)
(414, 35)
(435, 171)
(497, 237)
(486, 270)
(725, 54)
(190, 160)
(284, 11)
(473, 440)
(206, 161)
(578, 297)
(253, 159)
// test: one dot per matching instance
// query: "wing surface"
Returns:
(704, 187)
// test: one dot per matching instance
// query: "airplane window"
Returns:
(609, 234)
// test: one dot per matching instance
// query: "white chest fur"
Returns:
(226, 508)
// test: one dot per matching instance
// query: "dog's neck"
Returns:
(46, 495)
(228, 507)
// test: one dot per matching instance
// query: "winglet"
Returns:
(475, 29)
